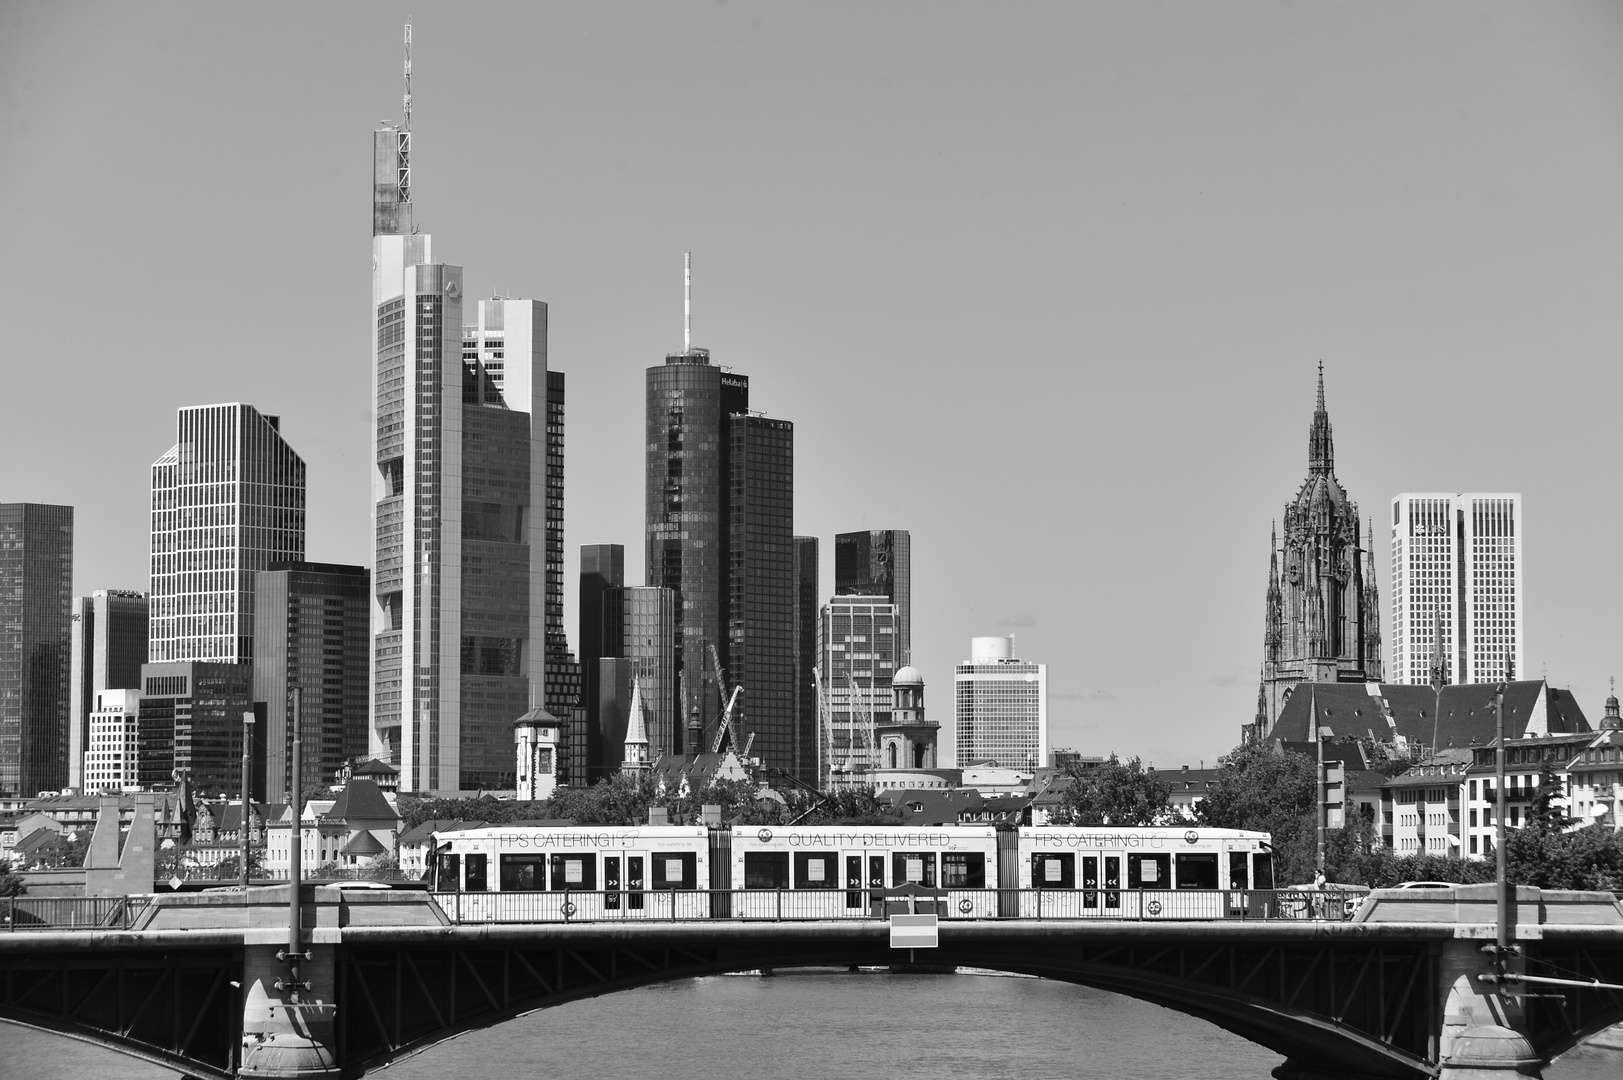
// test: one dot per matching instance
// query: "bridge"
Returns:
(206, 984)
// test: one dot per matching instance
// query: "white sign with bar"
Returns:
(914, 932)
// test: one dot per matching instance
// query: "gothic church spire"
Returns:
(1321, 452)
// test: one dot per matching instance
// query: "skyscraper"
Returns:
(1457, 561)
(719, 502)
(190, 726)
(108, 648)
(227, 500)
(879, 563)
(564, 678)
(36, 590)
(311, 631)
(1322, 620)
(640, 626)
(807, 729)
(1002, 706)
(857, 657)
(602, 567)
(460, 494)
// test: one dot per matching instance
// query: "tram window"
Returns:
(449, 877)
(1238, 878)
(815, 870)
(523, 873)
(1262, 865)
(1196, 871)
(475, 880)
(679, 871)
(963, 870)
(577, 873)
(766, 869)
(1053, 871)
(913, 868)
(1149, 871)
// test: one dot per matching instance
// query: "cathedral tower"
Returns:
(1322, 619)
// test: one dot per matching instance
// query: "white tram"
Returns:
(528, 873)
(836, 871)
(1069, 872)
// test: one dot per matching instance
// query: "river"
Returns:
(809, 1026)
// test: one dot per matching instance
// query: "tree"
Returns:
(1114, 793)
(1272, 791)
(10, 884)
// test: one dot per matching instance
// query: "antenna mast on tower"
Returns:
(404, 178)
(687, 303)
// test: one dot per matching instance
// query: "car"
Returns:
(1425, 885)
(1310, 906)
(349, 886)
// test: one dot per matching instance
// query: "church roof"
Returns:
(364, 843)
(1466, 717)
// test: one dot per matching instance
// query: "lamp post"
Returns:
(1502, 875)
(242, 823)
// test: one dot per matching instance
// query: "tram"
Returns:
(528, 873)
(1174, 873)
(833, 871)
(547, 873)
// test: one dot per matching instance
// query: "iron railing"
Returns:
(71, 912)
(781, 905)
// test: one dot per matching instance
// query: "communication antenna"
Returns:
(687, 303)
(404, 177)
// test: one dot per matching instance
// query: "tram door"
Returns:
(853, 882)
(1112, 882)
(1090, 883)
(635, 881)
(611, 883)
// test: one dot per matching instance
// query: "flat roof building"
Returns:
(36, 590)
(108, 648)
(1002, 706)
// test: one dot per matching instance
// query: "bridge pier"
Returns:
(288, 1030)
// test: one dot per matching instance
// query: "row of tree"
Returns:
(626, 798)
(1261, 789)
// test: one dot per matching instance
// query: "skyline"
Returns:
(1147, 225)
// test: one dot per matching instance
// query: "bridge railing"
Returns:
(21, 913)
(778, 905)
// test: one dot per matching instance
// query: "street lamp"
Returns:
(242, 825)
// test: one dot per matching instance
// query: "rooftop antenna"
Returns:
(687, 303)
(404, 178)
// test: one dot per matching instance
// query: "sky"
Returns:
(1045, 284)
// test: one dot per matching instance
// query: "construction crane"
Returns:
(726, 722)
(869, 738)
(825, 735)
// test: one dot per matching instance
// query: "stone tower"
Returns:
(1322, 621)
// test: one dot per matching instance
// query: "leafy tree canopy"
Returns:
(1114, 793)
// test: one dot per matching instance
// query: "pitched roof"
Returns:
(361, 801)
(1466, 717)
(374, 767)
(364, 843)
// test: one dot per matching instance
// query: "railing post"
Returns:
(780, 906)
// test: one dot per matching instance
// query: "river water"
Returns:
(809, 1026)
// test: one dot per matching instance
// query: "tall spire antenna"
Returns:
(687, 303)
(405, 126)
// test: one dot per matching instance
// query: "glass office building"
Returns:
(109, 646)
(36, 593)
(857, 649)
(227, 500)
(879, 562)
(1002, 707)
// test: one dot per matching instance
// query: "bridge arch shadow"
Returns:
(1333, 1008)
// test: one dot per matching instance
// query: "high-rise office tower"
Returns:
(460, 500)
(1322, 620)
(719, 503)
(108, 648)
(312, 631)
(227, 500)
(1457, 561)
(190, 726)
(602, 567)
(879, 563)
(639, 625)
(564, 678)
(1002, 706)
(857, 653)
(36, 593)
(807, 725)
